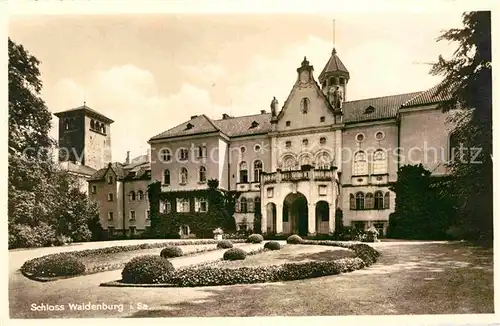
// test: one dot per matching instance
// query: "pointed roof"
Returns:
(87, 110)
(333, 65)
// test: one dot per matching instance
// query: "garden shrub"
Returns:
(171, 251)
(272, 245)
(147, 269)
(224, 244)
(255, 238)
(294, 239)
(62, 264)
(235, 254)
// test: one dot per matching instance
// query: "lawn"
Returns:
(408, 279)
(290, 254)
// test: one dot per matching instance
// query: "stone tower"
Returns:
(84, 137)
(334, 75)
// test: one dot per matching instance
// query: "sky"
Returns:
(151, 72)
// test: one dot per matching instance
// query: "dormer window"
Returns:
(189, 126)
(369, 110)
(254, 124)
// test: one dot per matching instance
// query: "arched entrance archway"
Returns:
(271, 217)
(297, 214)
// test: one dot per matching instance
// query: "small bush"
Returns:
(272, 245)
(54, 265)
(235, 254)
(294, 239)
(224, 244)
(147, 269)
(255, 238)
(171, 251)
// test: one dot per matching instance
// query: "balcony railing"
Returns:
(298, 175)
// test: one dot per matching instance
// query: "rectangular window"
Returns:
(110, 216)
(200, 205)
(110, 180)
(359, 225)
(168, 207)
(183, 154)
(244, 176)
(270, 192)
(148, 215)
(202, 151)
(322, 190)
(182, 205)
(322, 119)
(94, 189)
(110, 197)
(132, 215)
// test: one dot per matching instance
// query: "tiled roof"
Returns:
(77, 168)
(333, 64)
(383, 107)
(117, 169)
(242, 126)
(199, 124)
(428, 97)
(87, 109)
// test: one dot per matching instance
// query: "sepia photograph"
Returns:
(187, 164)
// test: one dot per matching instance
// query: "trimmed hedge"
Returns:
(294, 239)
(235, 254)
(171, 251)
(272, 245)
(224, 244)
(213, 275)
(147, 269)
(62, 264)
(255, 238)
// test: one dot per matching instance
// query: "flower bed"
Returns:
(33, 268)
(209, 274)
(213, 275)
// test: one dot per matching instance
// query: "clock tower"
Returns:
(334, 75)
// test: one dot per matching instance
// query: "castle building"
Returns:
(296, 166)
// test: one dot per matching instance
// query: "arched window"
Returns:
(166, 155)
(243, 205)
(103, 128)
(166, 177)
(184, 176)
(387, 199)
(97, 125)
(250, 207)
(140, 195)
(352, 202)
(203, 174)
(131, 195)
(92, 124)
(257, 170)
(369, 202)
(304, 105)
(360, 164)
(66, 124)
(379, 162)
(243, 172)
(323, 161)
(289, 163)
(360, 201)
(379, 200)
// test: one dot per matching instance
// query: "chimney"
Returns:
(127, 160)
(225, 116)
(193, 116)
(262, 111)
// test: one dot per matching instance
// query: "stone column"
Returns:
(331, 218)
(279, 218)
(311, 223)
(263, 222)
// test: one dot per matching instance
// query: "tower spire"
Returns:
(334, 51)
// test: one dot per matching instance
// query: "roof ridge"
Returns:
(379, 97)
(241, 116)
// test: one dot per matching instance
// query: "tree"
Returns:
(29, 118)
(467, 86)
(45, 204)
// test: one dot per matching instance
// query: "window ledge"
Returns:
(201, 182)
